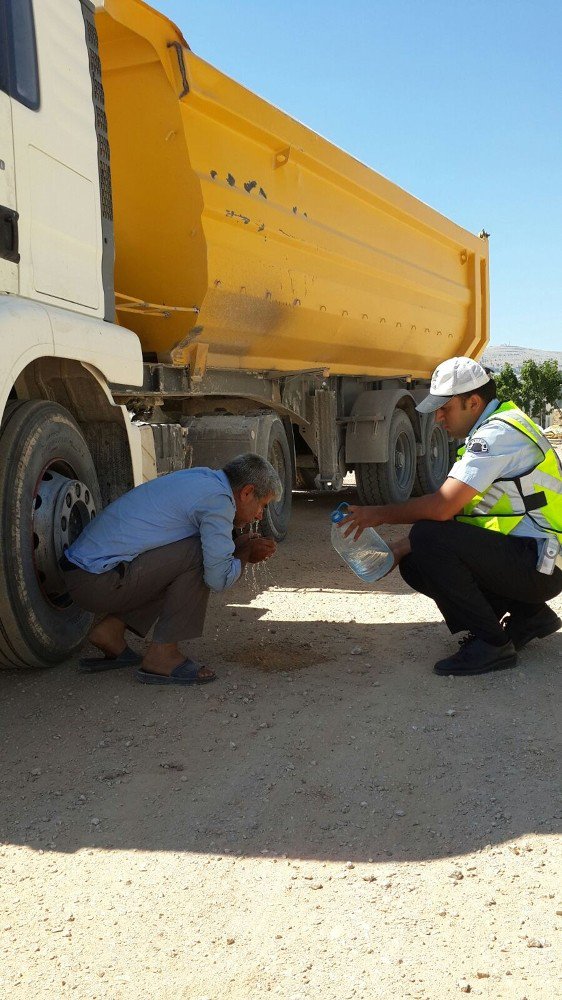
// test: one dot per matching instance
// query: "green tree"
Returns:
(552, 381)
(508, 385)
(530, 388)
(536, 387)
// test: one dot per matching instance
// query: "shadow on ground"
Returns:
(302, 747)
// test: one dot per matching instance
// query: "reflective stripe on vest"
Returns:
(536, 493)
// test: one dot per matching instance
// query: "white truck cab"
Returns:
(65, 446)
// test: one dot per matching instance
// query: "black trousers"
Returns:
(476, 576)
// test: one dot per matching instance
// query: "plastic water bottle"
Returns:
(368, 556)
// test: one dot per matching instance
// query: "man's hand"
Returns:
(360, 518)
(442, 505)
(254, 548)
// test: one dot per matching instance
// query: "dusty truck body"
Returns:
(188, 273)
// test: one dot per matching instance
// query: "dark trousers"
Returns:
(476, 576)
(163, 585)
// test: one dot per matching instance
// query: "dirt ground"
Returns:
(328, 820)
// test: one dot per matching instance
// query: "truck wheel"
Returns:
(392, 481)
(432, 468)
(275, 521)
(48, 493)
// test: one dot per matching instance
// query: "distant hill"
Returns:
(497, 357)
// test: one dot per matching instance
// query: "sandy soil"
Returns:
(328, 820)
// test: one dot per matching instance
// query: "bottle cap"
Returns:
(339, 513)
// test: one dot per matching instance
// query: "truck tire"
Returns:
(392, 481)
(48, 493)
(275, 522)
(433, 466)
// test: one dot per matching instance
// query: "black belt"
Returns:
(65, 564)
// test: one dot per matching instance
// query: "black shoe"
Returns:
(538, 626)
(477, 657)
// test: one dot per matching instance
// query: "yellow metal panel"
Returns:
(294, 253)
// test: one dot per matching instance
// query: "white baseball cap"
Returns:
(449, 379)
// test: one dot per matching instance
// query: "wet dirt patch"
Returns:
(274, 657)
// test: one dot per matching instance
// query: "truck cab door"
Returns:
(9, 256)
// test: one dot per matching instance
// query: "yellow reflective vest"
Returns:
(536, 493)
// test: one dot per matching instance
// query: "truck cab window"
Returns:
(18, 54)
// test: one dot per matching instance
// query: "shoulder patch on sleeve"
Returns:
(478, 446)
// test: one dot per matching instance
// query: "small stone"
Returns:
(537, 943)
(350, 866)
(457, 875)
(450, 712)
(464, 987)
(36, 772)
(95, 821)
(482, 975)
(399, 812)
(230, 940)
(356, 651)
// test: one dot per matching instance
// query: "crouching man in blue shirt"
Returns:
(154, 555)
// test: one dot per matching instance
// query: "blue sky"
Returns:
(458, 101)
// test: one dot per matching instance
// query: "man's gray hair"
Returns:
(253, 470)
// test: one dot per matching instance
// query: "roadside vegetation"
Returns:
(537, 388)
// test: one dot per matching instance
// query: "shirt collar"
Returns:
(486, 412)
(221, 474)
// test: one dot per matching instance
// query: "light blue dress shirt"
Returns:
(180, 505)
(504, 453)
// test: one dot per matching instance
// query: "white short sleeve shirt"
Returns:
(498, 451)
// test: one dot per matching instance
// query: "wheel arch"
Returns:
(368, 428)
(52, 354)
(81, 389)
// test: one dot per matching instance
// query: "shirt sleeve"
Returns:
(496, 451)
(216, 516)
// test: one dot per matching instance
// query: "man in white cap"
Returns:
(485, 545)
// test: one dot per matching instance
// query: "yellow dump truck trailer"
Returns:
(293, 253)
(188, 273)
